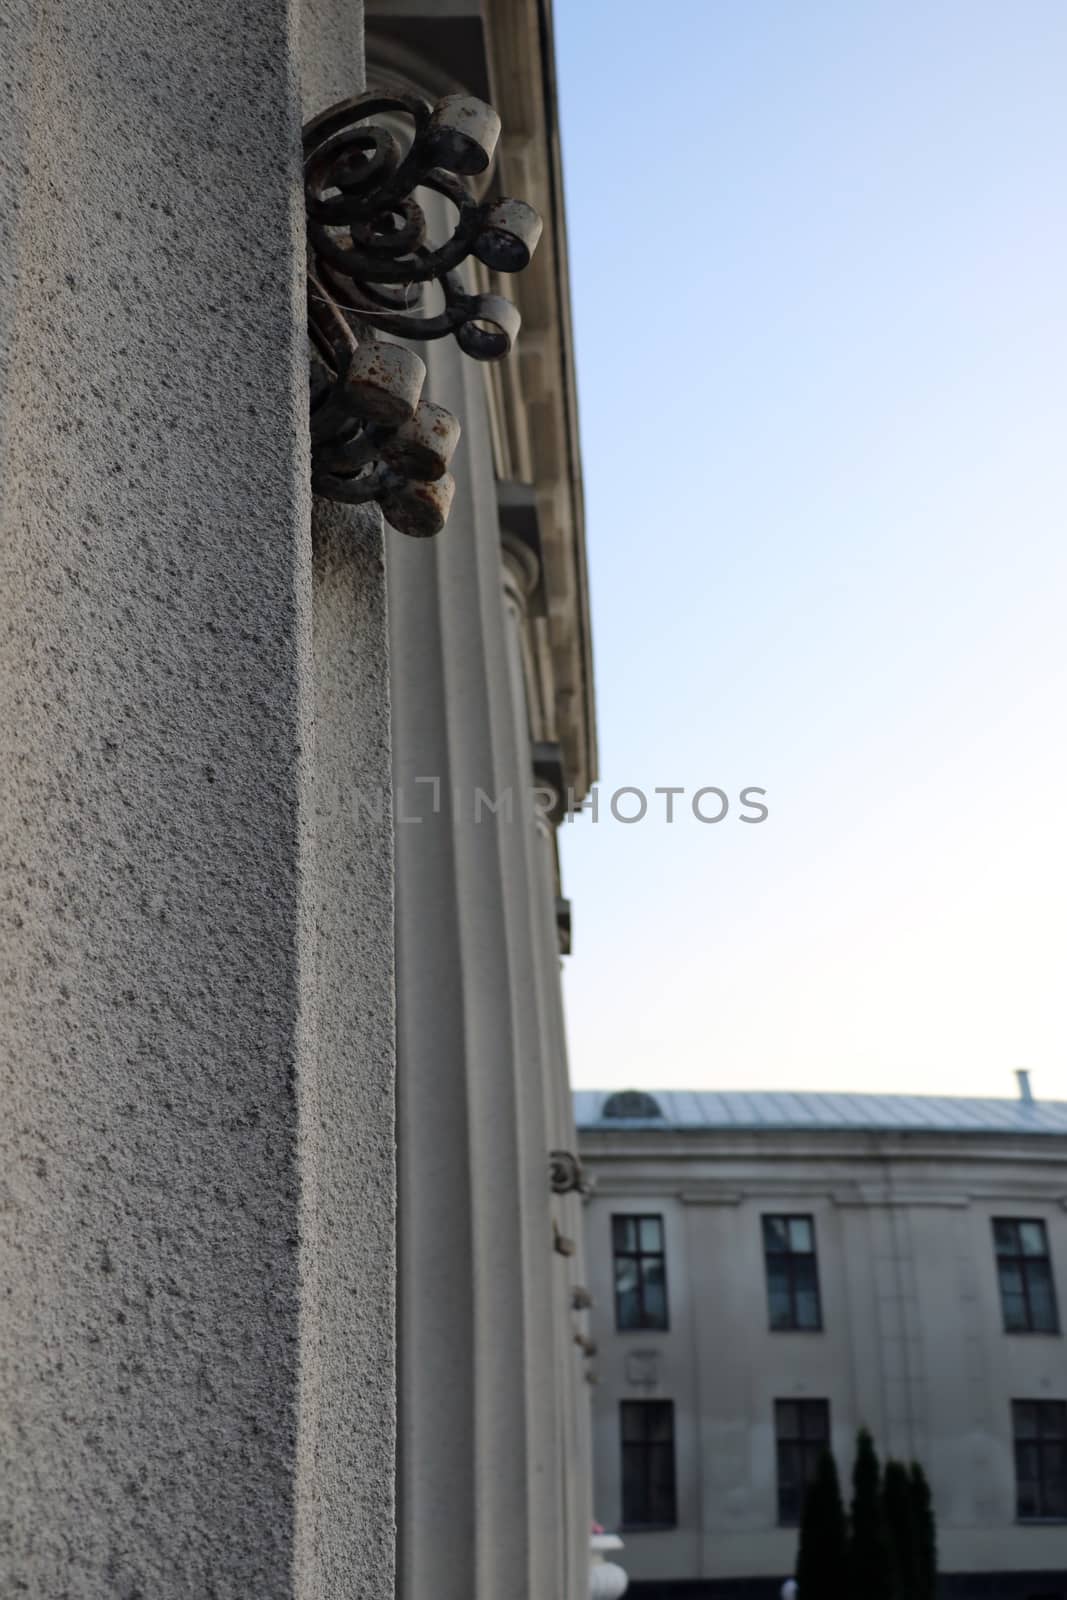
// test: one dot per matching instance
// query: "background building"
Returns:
(772, 1271)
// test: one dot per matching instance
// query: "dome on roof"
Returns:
(632, 1104)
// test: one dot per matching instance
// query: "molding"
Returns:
(520, 540)
(783, 1147)
(846, 1200)
(843, 1193)
(564, 928)
(548, 774)
(439, 47)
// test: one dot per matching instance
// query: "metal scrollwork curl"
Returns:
(373, 435)
(566, 1175)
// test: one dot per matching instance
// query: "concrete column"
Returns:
(480, 1448)
(346, 1510)
(465, 1536)
(195, 956)
(558, 1276)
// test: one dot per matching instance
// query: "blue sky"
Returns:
(819, 269)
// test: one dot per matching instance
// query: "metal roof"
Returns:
(685, 1109)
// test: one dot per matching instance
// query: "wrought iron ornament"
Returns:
(373, 436)
(566, 1175)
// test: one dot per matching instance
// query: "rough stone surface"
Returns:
(183, 1116)
(348, 1428)
(345, 1516)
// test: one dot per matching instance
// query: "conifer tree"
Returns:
(925, 1524)
(868, 1559)
(823, 1536)
(902, 1530)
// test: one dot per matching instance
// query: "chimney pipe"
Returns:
(1026, 1094)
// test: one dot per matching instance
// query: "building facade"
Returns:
(288, 1303)
(773, 1271)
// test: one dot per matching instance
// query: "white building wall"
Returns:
(912, 1345)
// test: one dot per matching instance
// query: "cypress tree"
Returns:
(925, 1524)
(868, 1560)
(902, 1530)
(823, 1534)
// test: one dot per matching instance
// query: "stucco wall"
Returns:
(195, 947)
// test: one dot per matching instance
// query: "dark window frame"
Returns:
(644, 1324)
(810, 1442)
(646, 1448)
(1041, 1441)
(790, 1258)
(1022, 1262)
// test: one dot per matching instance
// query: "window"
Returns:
(640, 1272)
(802, 1428)
(792, 1275)
(1040, 1428)
(632, 1105)
(647, 1463)
(1027, 1295)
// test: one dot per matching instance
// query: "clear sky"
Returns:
(819, 268)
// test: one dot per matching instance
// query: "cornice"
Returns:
(841, 1192)
(686, 1148)
(506, 47)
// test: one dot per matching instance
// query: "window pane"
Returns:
(624, 1233)
(815, 1418)
(1054, 1482)
(800, 1239)
(807, 1310)
(1024, 1415)
(634, 1508)
(660, 1422)
(627, 1300)
(790, 1463)
(1006, 1236)
(1042, 1300)
(651, 1233)
(781, 1301)
(790, 1469)
(1012, 1297)
(786, 1419)
(633, 1420)
(1032, 1237)
(788, 1506)
(655, 1295)
(1027, 1499)
(1016, 1318)
(625, 1274)
(627, 1310)
(661, 1483)
(775, 1234)
(806, 1289)
(1051, 1417)
(812, 1456)
(1028, 1462)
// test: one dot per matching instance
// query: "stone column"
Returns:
(195, 952)
(556, 1276)
(463, 1453)
(485, 1336)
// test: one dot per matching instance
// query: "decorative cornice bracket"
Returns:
(373, 435)
(566, 1175)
